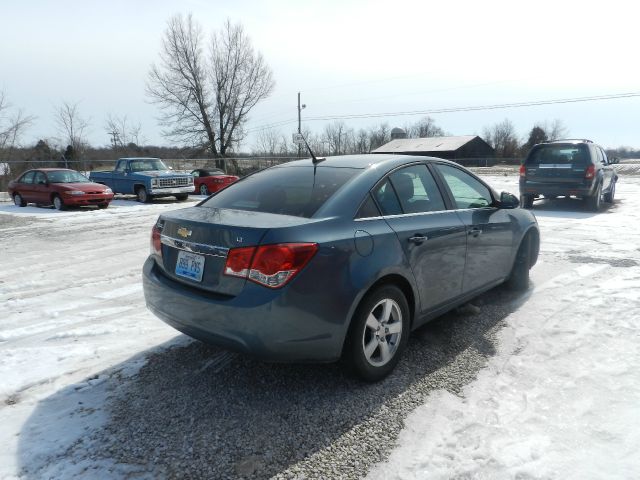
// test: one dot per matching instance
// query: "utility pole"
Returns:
(300, 107)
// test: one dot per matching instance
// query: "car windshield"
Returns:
(297, 191)
(66, 176)
(558, 155)
(147, 165)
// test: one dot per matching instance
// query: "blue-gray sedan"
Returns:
(343, 257)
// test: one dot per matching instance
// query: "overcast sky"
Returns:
(346, 57)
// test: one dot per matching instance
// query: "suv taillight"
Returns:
(270, 265)
(590, 172)
(523, 171)
(156, 244)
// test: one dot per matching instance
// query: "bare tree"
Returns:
(338, 136)
(205, 99)
(122, 131)
(425, 128)
(379, 135)
(362, 142)
(12, 125)
(556, 130)
(72, 128)
(503, 138)
(267, 142)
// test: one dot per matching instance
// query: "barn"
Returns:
(466, 149)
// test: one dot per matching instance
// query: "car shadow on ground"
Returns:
(195, 411)
(569, 208)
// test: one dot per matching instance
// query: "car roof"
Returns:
(362, 161)
(566, 141)
(52, 169)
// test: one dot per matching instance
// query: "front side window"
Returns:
(467, 191)
(297, 191)
(40, 178)
(121, 166)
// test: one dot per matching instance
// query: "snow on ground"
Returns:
(71, 305)
(559, 400)
(562, 397)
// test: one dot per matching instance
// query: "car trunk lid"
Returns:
(196, 241)
(557, 163)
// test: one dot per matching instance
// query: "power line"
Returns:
(452, 109)
(479, 107)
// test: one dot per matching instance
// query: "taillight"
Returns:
(590, 172)
(523, 171)
(156, 244)
(239, 261)
(270, 265)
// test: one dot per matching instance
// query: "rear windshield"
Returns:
(559, 155)
(297, 191)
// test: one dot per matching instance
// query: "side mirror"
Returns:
(508, 200)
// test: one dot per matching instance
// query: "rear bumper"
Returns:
(275, 325)
(557, 189)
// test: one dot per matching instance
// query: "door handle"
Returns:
(418, 239)
(475, 231)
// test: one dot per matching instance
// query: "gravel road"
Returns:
(194, 411)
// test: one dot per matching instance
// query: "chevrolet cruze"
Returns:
(317, 260)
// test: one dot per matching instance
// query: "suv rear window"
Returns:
(297, 191)
(559, 155)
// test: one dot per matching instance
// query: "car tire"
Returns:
(19, 201)
(378, 334)
(204, 190)
(58, 203)
(593, 202)
(526, 201)
(609, 197)
(102, 206)
(519, 276)
(143, 196)
(182, 196)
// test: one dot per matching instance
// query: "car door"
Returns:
(25, 187)
(607, 169)
(40, 189)
(489, 230)
(120, 182)
(432, 237)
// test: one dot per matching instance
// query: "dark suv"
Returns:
(564, 168)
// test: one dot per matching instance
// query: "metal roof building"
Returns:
(450, 148)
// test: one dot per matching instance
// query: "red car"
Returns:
(210, 181)
(58, 186)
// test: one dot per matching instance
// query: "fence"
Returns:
(10, 169)
(240, 166)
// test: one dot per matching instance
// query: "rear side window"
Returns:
(417, 190)
(297, 191)
(27, 177)
(559, 155)
(386, 197)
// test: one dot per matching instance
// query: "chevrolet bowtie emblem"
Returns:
(184, 233)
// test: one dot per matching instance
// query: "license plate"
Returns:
(190, 265)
